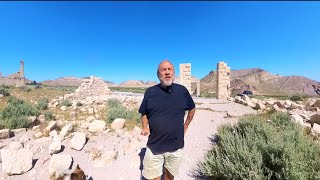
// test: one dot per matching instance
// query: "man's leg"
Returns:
(152, 165)
(167, 175)
(172, 163)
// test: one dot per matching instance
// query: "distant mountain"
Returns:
(260, 81)
(64, 81)
(70, 81)
(136, 83)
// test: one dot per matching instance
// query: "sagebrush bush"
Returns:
(16, 113)
(42, 104)
(116, 110)
(79, 104)
(255, 149)
(66, 102)
(25, 88)
(296, 97)
(113, 103)
(49, 116)
(4, 91)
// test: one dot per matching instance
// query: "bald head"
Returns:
(165, 73)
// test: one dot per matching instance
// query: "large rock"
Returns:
(51, 126)
(315, 119)
(55, 147)
(59, 165)
(317, 103)
(15, 146)
(97, 126)
(118, 124)
(78, 140)
(66, 130)
(16, 161)
(5, 133)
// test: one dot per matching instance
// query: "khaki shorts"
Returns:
(153, 164)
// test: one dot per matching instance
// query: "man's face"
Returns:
(166, 73)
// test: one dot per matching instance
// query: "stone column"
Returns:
(198, 88)
(223, 81)
(0, 74)
(21, 69)
(185, 76)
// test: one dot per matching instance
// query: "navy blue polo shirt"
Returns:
(165, 109)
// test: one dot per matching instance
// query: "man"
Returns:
(163, 108)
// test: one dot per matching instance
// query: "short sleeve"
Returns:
(189, 100)
(143, 106)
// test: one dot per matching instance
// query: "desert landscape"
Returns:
(49, 128)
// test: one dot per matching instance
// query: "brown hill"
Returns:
(70, 81)
(135, 83)
(260, 81)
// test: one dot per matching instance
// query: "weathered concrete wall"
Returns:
(223, 81)
(12, 81)
(15, 79)
(185, 76)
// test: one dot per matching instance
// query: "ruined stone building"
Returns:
(16, 79)
(223, 81)
(191, 83)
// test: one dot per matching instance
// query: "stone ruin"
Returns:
(94, 86)
(16, 79)
(223, 81)
(185, 76)
(186, 80)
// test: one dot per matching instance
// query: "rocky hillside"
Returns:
(263, 82)
(70, 81)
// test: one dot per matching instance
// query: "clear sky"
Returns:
(121, 41)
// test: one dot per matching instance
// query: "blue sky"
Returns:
(119, 41)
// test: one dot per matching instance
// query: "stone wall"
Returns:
(15, 79)
(185, 76)
(94, 86)
(18, 82)
(223, 81)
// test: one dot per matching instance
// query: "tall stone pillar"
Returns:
(185, 76)
(223, 81)
(0, 74)
(198, 88)
(21, 69)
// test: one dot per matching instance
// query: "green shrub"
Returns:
(66, 102)
(116, 110)
(42, 104)
(4, 91)
(49, 116)
(5, 86)
(15, 122)
(37, 86)
(16, 113)
(25, 88)
(207, 94)
(121, 112)
(113, 103)
(79, 104)
(255, 149)
(296, 97)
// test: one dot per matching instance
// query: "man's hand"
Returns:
(145, 131)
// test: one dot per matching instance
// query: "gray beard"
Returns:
(167, 83)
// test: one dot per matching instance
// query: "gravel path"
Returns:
(210, 114)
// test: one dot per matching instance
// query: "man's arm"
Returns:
(189, 119)
(145, 130)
